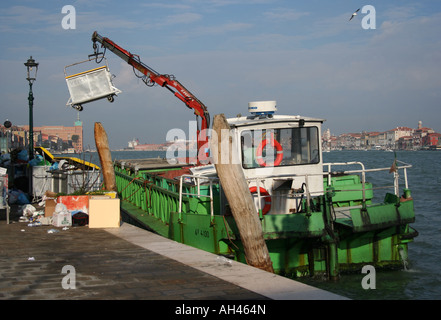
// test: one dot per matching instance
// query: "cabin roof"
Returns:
(253, 120)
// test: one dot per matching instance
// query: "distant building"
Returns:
(403, 138)
(13, 138)
(405, 143)
(432, 140)
(395, 134)
(59, 137)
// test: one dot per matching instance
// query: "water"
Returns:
(421, 277)
(404, 259)
(117, 155)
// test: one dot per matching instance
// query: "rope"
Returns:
(136, 178)
(148, 201)
(228, 234)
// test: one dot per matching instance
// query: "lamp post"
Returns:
(7, 124)
(32, 68)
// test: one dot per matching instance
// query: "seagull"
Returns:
(354, 14)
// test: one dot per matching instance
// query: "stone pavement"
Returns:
(106, 267)
(126, 263)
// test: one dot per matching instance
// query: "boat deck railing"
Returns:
(198, 180)
(394, 169)
(329, 173)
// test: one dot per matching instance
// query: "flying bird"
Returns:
(354, 14)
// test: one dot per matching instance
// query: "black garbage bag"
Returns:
(80, 219)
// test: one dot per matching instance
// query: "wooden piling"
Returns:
(239, 197)
(102, 146)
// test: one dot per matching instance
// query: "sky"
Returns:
(375, 72)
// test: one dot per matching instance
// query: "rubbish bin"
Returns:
(90, 85)
(4, 195)
(68, 182)
(41, 180)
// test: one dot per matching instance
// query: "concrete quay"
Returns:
(128, 263)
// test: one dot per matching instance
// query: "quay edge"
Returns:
(269, 285)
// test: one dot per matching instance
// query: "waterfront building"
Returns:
(60, 138)
(399, 132)
(432, 140)
(12, 138)
(402, 138)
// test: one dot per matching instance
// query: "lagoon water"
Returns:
(422, 278)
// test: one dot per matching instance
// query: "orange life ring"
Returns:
(276, 145)
(267, 198)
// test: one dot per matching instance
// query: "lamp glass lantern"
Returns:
(32, 68)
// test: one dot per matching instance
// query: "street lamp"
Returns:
(32, 68)
(7, 124)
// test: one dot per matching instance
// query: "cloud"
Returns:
(181, 18)
(91, 20)
(170, 6)
(400, 13)
(25, 48)
(220, 3)
(284, 14)
(25, 20)
(19, 19)
(221, 29)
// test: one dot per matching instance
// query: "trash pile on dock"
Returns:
(51, 211)
(31, 178)
(57, 191)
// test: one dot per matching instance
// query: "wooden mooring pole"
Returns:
(239, 197)
(102, 146)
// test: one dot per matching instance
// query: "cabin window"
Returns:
(280, 147)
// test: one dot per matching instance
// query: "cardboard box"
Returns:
(104, 212)
(62, 219)
(49, 207)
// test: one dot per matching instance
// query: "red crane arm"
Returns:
(200, 110)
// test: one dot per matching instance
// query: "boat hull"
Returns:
(318, 242)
